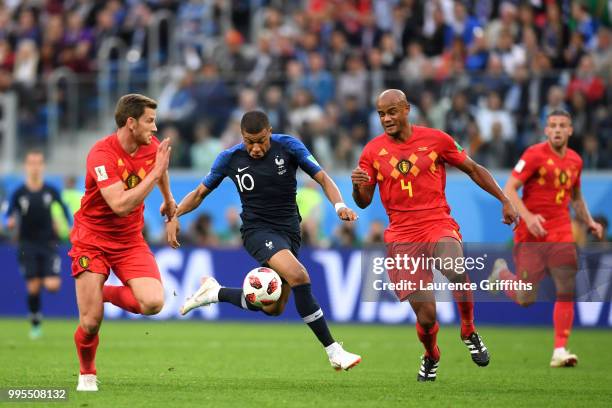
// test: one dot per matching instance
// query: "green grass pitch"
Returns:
(204, 364)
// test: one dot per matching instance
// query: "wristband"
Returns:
(339, 206)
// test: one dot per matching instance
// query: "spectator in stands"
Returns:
(458, 118)
(201, 233)
(25, 70)
(555, 101)
(338, 52)
(582, 120)
(303, 110)
(464, 24)
(494, 121)
(205, 148)
(179, 156)
(231, 236)
(375, 234)
(440, 37)
(354, 81)
(176, 102)
(587, 81)
(555, 35)
(345, 236)
(274, 106)
(213, 98)
(318, 80)
(232, 58)
(267, 67)
(602, 51)
(477, 52)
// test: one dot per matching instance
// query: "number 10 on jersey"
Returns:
(246, 182)
(407, 186)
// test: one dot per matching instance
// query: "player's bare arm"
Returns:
(533, 221)
(168, 207)
(362, 192)
(123, 202)
(188, 204)
(333, 195)
(583, 214)
(485, 180)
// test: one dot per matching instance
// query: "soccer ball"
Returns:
(262, 287)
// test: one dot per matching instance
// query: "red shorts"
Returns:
(420, 245)
(534, 259)
(130, 260)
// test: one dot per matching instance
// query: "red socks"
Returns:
(563, 317)
(465, 304)
(429, 340)
(86, 345)
(121, 296)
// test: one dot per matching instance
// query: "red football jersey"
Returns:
(548, 181)
(411, 177)
(107, 164)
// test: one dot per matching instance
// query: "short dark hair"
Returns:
(254, 122)
(132, 106)
(559, 112)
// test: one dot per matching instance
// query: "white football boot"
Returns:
(340, 359)
(563, 358)
(87, 382)
(207, 293)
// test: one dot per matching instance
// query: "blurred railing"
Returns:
(8, 130)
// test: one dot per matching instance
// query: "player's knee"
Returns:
(298, 276)
(53, 286)
(152, 306)
(91, 324)
(426, 317)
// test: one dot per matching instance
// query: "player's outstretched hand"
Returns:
(359, 176)
(596, 229)
(510, 215)
(172, 230)
(534, 225)
(162, 157)
(168, 209)
(346, 214)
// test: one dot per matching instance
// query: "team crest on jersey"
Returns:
(132, 181)
(84, 262)
(563, 177)
(280, 163)
(404, 166)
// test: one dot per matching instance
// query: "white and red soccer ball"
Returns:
(262, 286)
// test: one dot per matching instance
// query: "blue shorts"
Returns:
(262, 244)
(38, 260)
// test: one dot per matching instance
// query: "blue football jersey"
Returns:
(267, 186)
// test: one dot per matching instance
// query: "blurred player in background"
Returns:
(549, 173)
(263, 168)
(408, 164)
(71, 196)
(122, 169)
(30, 208)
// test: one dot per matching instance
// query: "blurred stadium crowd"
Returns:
(485, 71)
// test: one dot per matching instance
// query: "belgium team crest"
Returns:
(132, 181)
(84, 262)
(404, 166)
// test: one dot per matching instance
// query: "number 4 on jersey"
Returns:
(407, 186)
